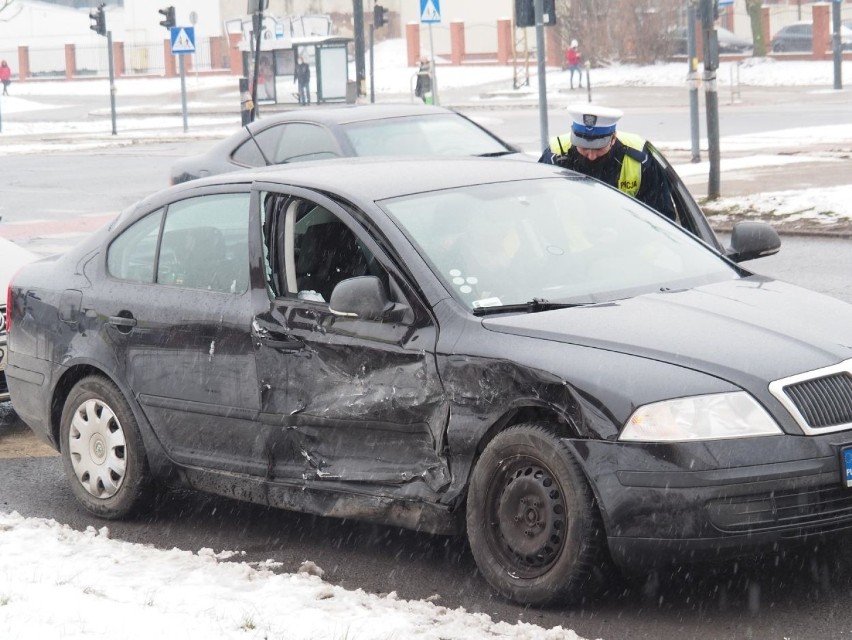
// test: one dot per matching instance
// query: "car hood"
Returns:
(744, 331)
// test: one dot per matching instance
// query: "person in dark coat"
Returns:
(620, 159)
(303, 79)
(423, 87)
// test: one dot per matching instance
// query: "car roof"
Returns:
(377, 178)
(343, 114)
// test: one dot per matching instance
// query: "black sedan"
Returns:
(798, 37)
(494, 347)
(335, 132)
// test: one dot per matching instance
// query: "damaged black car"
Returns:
(491, 347)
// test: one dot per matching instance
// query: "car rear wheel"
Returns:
(532, 523)
(102, 450)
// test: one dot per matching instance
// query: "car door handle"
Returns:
(283, 344)
(123, 323)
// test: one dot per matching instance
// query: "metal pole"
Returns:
(111, 80)
(692, 80)
(432, 67)
(182, 65)
(542, 81)
(711, 95)
(835, 38)
(372, 74)
(358, 24)
(257, 23)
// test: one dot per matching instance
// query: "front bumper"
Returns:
(691, 502)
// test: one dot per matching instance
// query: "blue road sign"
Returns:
(183, 39)
(430, 11)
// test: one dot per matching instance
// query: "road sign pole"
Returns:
(182, 65)
(542, 74)
(432, 67)
(111, 80)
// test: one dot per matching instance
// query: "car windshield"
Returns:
(433, 134)
(550, 241)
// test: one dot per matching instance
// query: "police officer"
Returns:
(622, 160)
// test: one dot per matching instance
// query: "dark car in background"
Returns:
(799, 37)
(501, 348)
(12, 258)
(320, 133)
(729, 42)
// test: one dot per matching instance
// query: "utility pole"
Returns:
(542, 82)
(692, 80)
(837, 53)
(708, 11)
(360, 63)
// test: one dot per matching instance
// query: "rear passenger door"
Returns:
(178, 314)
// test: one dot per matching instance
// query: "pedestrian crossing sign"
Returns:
(183, 39)
(430, 11)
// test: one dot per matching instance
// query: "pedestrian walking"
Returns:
(423, 87)
(620, 159)
(5, 77)
(303, 79)
(574, 63)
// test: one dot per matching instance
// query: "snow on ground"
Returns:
(58, 583)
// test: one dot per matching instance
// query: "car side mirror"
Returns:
(750, 240)
(364, 297)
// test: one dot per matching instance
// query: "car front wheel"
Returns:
(102, 450)
(532, 523)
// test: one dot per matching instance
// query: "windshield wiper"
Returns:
(496, 154)
(533, 306)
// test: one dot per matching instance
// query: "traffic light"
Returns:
(525, 13)
(380, 16)
(98, 20)
(169, 15)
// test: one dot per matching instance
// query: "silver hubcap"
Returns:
(98, 449)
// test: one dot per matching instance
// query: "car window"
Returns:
(205, 243)
(309, 250)
(248, 155)
(556, 239)
(297, 142)
(438, 134)
(132, 254)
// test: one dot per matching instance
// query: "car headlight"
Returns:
(712, 417)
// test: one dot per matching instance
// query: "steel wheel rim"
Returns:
(97, 449)
(528, 521)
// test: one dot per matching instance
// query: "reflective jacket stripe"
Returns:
(631, 167)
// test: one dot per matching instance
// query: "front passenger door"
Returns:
(353, 400)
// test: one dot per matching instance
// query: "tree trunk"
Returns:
(755, 14)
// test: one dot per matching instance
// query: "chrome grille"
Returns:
(820, 400)
(2, 318)
(824, 402)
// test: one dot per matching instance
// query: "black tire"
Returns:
(532, 522)
(102, 450)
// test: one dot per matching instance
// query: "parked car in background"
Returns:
(456, 345)
(12, 258)
(799, 37)
(335, 132)
(729, 42)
